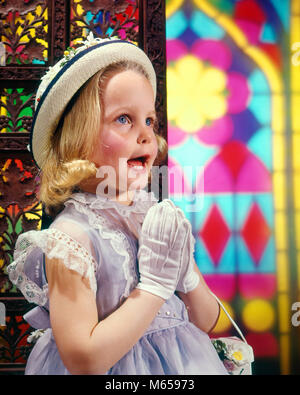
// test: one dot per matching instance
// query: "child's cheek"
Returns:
(114, 144)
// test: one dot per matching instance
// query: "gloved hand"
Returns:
(188, 278)
(163, 236)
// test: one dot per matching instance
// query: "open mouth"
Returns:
(138, 163)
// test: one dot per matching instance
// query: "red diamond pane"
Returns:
(234, 154)
(256, 233)
(215, 234)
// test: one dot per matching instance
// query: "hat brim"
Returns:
(70, 79)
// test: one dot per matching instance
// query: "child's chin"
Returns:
(139, 183)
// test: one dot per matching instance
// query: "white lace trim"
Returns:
(118, 241)
(142, 201)
(55, 244)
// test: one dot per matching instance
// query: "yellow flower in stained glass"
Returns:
(196, 93)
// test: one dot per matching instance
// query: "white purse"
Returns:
(236, 354)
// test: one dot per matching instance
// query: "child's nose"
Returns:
(145, 136)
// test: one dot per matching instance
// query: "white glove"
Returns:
(188, 278)
(160, 252)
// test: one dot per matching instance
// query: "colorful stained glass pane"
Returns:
(205, 27)
(268, 34)
(256, 233)
(215, 234)
(176, 25)
(260, 145)
(253, 285)
(228, 111)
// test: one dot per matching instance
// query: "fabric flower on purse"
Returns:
(235, 354)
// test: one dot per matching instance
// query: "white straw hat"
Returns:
(63, 80)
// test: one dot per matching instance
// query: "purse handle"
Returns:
(230, 319)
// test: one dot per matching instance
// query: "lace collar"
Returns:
(142, 201)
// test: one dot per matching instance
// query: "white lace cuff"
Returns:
(55, 244)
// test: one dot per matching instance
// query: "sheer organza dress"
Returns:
(98, 238)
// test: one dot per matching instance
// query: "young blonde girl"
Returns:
(105, 273)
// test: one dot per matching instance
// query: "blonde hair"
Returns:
(72, 143)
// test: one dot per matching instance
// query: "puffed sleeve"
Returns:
(66, 241)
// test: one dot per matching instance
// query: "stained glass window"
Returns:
(232, 111)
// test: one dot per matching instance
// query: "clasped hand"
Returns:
(165, 254)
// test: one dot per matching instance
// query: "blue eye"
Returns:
(149, 121)
(123, 119)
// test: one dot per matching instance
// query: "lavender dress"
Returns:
(98, 238)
